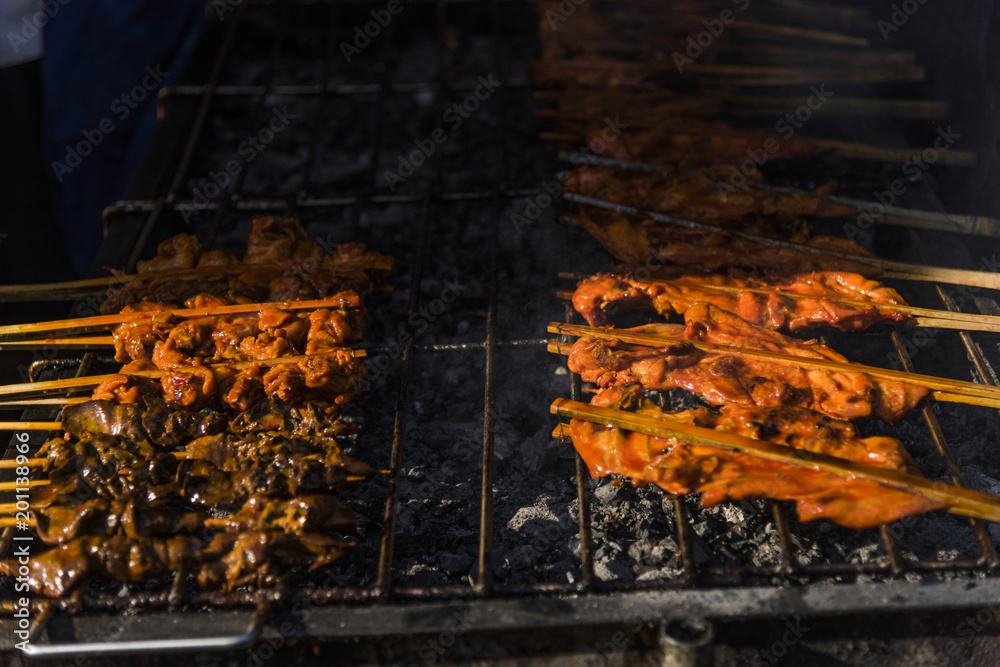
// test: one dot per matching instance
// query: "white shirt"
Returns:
(21, 26)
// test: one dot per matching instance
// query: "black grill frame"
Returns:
(705, 591)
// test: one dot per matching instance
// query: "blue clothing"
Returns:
(103, 64)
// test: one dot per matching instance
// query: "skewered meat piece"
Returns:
(59, 524)
(689, 144)
(724, 377)
(641, 241)
(780, 307)
(227, 561)
(304, 514)
(216, 258)
(135, 518)
(272, 241)
(336, 376)
(719, 474)
(169, 428)
(170, 341)
(697, 196)
(177, 252)
(282, 264)
(271, 452)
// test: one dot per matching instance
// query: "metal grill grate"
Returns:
(728, 589)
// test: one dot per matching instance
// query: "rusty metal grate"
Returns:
(705, 589)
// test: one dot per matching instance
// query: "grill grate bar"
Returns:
(384, 582)
(484, 580)
(788, 560)
(686, 542)
(317, 125)
(376, 148)
(585, 528)
(255, 125)
(190, 146)
(347, 89)
(303, 202)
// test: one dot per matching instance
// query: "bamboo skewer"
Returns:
(950, 390)
(42, 402)
(98, 322)
(71, 384)
(802, 33)
(69, 343)
(851, 149)
(8, 464)
(36, 291)
(28, 426)
(756, 75)
(922, 317)
(757, 105)
(890, 268)
(957, 499)
(13, 486)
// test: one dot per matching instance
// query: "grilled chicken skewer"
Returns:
(227, 561)
(723, 377)
(780, 453)
(795, 302)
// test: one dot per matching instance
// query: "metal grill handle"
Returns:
(223, 643)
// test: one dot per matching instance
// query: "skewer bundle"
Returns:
(214, 451)
(739, 262)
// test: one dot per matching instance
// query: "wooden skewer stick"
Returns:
(36, 291)
(64, 342)
(851, 149)
(891, 269)
(14, 486)
(8, 464)
(950, 390)
(12, 522)
(753, 105)
(802, 33)
(98, 322)
(957, 499)
(70, 384)
(10, 508)
(27, 426)
(42, 402)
